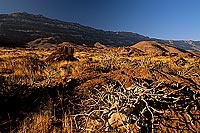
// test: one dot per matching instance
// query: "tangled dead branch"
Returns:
(139, 108)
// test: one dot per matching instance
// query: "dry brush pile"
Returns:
(139, 108)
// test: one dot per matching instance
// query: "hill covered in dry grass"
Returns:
(147, 87)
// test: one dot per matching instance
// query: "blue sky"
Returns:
(165, 19)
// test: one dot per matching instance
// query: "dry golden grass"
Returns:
(40, 123)
(69, 83)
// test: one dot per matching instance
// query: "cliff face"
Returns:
(186, 44)
(18, 29)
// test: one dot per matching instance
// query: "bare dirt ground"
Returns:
(125, 89)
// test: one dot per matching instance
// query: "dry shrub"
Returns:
(149, 108)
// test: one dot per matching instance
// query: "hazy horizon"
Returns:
(169, 20)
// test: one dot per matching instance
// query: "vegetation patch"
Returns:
(82, 89)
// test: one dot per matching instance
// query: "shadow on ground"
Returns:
(23, 100)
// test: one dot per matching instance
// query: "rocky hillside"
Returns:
(17, 29)
(21, 28)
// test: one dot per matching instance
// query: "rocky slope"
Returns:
(21, 28)
(17, 29)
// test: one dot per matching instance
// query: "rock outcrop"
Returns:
(61, 53)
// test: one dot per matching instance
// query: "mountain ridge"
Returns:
(17, 29)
